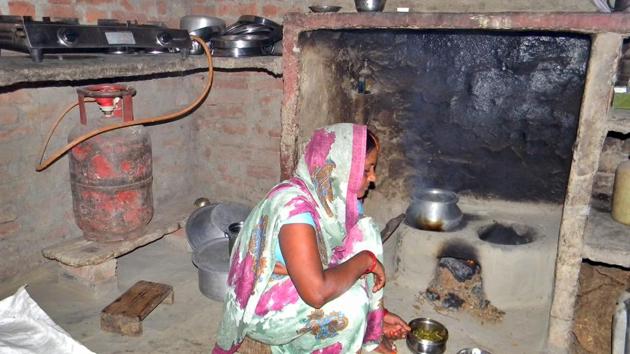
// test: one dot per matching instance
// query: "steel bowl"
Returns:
(193, 22)
(435, 210)
(206, 33)
(420, 345)
(369, 5)
(473, 351)
(324, 8)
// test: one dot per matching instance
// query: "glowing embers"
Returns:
(458, 285)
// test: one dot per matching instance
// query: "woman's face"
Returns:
(369, 172)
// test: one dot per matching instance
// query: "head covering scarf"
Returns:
(326, 183)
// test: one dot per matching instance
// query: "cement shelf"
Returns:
(21, 69)
(606, 240)
(619, 121)
(76, 251)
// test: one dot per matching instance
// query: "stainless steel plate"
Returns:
(259, 20)
(237, 52)
(324, 8)
(241, 41)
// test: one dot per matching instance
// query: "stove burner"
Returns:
(514, 234)
(66, 35)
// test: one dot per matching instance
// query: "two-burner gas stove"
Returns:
(23, 34)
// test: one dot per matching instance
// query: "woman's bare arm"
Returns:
(315, 286)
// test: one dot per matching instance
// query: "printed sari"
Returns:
(266, 306)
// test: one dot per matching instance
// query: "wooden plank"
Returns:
(125, 314)
(593, 125)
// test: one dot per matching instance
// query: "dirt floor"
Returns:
(600, 287)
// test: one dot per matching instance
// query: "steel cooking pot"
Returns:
(435, 210)
(213, 263)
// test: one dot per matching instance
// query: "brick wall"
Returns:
(226, 150)
(36, 207)
(237, 137)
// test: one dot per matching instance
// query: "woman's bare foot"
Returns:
(386, 346)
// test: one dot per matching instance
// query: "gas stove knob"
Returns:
(67, 37)
(164, 38)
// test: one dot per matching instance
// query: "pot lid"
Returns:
(213, 256)
(199, 229)
(211, 222)
(225, 214)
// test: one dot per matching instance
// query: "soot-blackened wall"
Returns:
(484, 113)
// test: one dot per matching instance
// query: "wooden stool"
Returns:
(125, 314)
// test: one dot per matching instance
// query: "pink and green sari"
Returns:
(266, 306)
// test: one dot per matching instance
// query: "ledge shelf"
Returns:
(21, 69)
(606, 240)
(76, 251)
(619, 121)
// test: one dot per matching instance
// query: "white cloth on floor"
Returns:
(26, 328)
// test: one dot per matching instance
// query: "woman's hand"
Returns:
(379, 276)
(394, 327)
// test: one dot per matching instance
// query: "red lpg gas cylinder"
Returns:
(111, 173)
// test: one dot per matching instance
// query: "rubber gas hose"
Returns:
(43, 165)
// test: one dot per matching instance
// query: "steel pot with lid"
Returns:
(435, 210)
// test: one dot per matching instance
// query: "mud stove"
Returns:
(507, 110)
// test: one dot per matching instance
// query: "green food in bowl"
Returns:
(433, 335)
